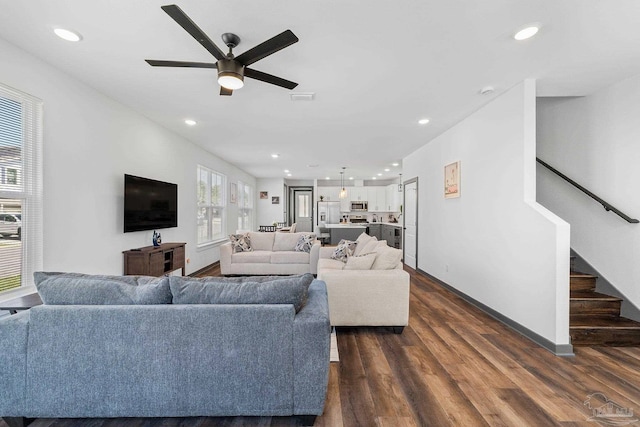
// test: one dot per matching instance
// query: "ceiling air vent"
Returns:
(303, 96)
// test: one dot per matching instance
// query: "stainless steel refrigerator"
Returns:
(328, 213)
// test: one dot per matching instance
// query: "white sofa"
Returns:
(272, 253)
(365, 297)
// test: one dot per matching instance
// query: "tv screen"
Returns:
(149, 204)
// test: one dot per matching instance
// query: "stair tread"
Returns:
(591, 295)
(578, 274)
(604, 323)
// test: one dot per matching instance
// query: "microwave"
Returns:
(359, 206)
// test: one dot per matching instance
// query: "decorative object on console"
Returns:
(452, 180)
(157, 238)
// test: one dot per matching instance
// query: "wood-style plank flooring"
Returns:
(453, 366)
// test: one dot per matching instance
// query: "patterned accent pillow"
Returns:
(240, 242)
(305, 242)
(344, 250)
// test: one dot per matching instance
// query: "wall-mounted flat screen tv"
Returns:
(149, 204)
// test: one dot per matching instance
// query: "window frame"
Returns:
(210, 205)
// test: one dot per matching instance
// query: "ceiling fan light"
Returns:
(230, 80)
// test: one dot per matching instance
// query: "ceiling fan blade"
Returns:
(159, 63)
(225, 92)
(190, 27)
(268, 78)
(274, 44)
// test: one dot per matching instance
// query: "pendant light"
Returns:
(343, 191)
(400, 185)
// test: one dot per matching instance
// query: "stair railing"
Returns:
(606, 205)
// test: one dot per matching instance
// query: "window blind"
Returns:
(20, 188)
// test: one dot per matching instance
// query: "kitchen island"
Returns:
(345, 231)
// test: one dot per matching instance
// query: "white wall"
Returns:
(494, 243)
(90, 142)
(268, 212)
(594, 141)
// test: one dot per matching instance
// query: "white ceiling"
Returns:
(376, 67)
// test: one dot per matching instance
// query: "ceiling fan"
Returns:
(231, 70)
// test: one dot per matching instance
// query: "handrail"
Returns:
(607, 206)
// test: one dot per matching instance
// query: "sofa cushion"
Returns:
(361, 241)
(240, 242)
(366, 246)
(344, 249)
(387, 258)
(289, 257)
(360, 262)
(286, 241)
(330, 264)
(85, 289)
(251, 257)
(261, 241)
(305, 242)
(212, 290)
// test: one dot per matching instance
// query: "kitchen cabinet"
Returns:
(358, 193)
(331, 194)
(393, 198)
(375, 230)
(377, 198)
(392, 234)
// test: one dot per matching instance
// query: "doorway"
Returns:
(410, 238)
(301, 208)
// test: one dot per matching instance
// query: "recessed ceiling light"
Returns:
(275, 155)
(423, 121)
(373, 177)
(526, 33)
(395, 164)
(487, 90)
(190, 122)
(387, 169)
(351, 178)
(379, 174)
(327, 178)
(286, 171)
(288, 174)
(67, 35)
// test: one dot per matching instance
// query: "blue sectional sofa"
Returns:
(136, 357)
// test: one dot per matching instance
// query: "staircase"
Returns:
(595, 317)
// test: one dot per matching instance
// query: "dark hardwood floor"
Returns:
(453, 366)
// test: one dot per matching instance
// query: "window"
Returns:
(212, 224)
(20, 188)
(245, 206)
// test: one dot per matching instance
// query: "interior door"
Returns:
(302, 209)
(411, 223)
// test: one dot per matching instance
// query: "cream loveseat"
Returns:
(270, 253)
(376, 296)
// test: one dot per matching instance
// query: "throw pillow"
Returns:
(251, 290)
(387, 258)
(85, 289)
(344, 249)
(240, 242)
(360, 262)
(305, 242)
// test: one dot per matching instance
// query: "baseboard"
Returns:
(563, 350)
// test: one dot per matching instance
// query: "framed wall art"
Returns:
(264, 195)
(233, 193)
(452, 180)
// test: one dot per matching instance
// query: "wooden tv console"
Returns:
(155, 260)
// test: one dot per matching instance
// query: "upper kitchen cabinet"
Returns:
(377, 198)
(331, 194)
(358, 194)
(394, 198)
